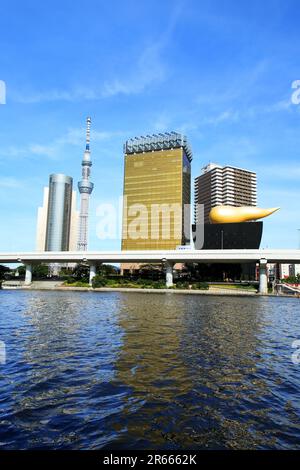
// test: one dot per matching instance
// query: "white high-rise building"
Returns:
(289, 270)
(85, 188)
(228, 186)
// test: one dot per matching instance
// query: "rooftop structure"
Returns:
(166, 141)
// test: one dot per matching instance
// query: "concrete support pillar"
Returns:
(169, 274)
(93, 268)
(263, 278)
(28, 275)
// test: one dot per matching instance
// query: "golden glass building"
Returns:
(157, 185)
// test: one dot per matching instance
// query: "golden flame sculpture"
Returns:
(229, 214)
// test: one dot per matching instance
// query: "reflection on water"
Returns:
(126, 370)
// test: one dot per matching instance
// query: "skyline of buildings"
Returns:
(157, 171)
(241, 120)
(157, 180)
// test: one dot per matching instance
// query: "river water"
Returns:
(87, 370)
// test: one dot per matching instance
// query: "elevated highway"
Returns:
(169, 258)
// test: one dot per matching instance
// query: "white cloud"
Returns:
(76, 94)
(290, 171)
(238, 151)
(143, 71)
(43, 150)
(149, 69)
(227, 115)
(73, 136)
(162, 122)
(10, 183)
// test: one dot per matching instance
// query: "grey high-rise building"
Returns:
(228, 186)
(59, 213)
(57, 226)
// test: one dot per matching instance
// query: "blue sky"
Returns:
(219, 71)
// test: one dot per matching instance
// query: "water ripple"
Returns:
(128, 371)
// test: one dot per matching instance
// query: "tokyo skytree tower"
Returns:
(85, 188)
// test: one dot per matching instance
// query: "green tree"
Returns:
(292, 279)
(107, 269)
(3, 270)
(81, 273)
(40, 271)
(99, 281)
(151, 271)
